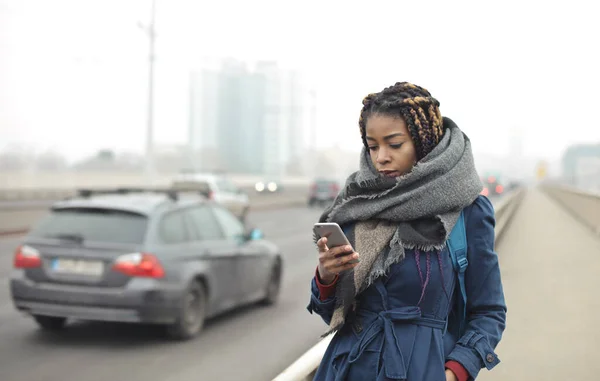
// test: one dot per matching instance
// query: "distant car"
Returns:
(268, 186)
(215, 187)
(323, 191)
(144, 258)
(492, 186)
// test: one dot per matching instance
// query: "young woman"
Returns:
(395, 311)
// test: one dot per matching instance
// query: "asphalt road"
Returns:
(254, 343)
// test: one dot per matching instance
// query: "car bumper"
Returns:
(141, 301)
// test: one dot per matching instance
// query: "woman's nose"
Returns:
(382, 156)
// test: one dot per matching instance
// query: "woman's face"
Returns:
(392, 150)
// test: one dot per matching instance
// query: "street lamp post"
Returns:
(149, 168)
(313, 132)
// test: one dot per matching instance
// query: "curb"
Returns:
(15, 232)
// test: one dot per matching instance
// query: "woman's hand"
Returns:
(334, 261)
(450, 376)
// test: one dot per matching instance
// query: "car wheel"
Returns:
(50, 323)
(274, 285)
(192, 314)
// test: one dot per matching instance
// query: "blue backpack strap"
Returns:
(457, 245)
(346, 229)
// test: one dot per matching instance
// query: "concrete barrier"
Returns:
(17, 216)
(585, 206)
(45, 185)
(305, 367)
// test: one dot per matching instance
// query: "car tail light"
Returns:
(26, 257)
(499, 189)
(139, 265)
(485, 192)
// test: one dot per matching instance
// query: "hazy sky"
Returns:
(73, 73)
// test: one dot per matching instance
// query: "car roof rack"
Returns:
(86, 193)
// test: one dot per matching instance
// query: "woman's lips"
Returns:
(390, 173)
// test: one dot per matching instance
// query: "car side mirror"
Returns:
(255, 234)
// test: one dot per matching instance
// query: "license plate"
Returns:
(77, 267)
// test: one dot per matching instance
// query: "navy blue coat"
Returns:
(393, 336)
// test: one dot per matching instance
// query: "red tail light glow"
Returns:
(26, 257)
(485, 192)
(499, 189)
(139, 265)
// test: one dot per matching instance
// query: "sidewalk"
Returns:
(551, 272)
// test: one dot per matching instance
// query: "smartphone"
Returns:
(335, 235)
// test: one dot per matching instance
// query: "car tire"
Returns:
(50, 323)
(274, 286)
(192, 313)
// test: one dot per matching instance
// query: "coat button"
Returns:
(358, 327)
(490, 358)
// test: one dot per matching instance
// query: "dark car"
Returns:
(322, 191)
(492, 186)
(142, 257)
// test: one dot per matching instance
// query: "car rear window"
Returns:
(324, 185)
(91, 224)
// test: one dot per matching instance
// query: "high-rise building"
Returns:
(581, 166)
(203, 118)
(250, 121)
(296, 115)
(231, 124)
(516, 155)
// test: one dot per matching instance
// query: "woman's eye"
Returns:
(373, 148)
(396, 145)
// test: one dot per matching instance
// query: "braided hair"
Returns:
(415, 106)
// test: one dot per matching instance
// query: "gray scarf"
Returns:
(417, 210)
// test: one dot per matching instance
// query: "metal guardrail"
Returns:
(23, 195)
(584, 206)
(49, 185)
(304, 368)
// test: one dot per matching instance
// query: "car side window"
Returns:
(204, 223)
(173, 229)
(232, 227)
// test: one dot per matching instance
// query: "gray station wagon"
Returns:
(136, 256)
